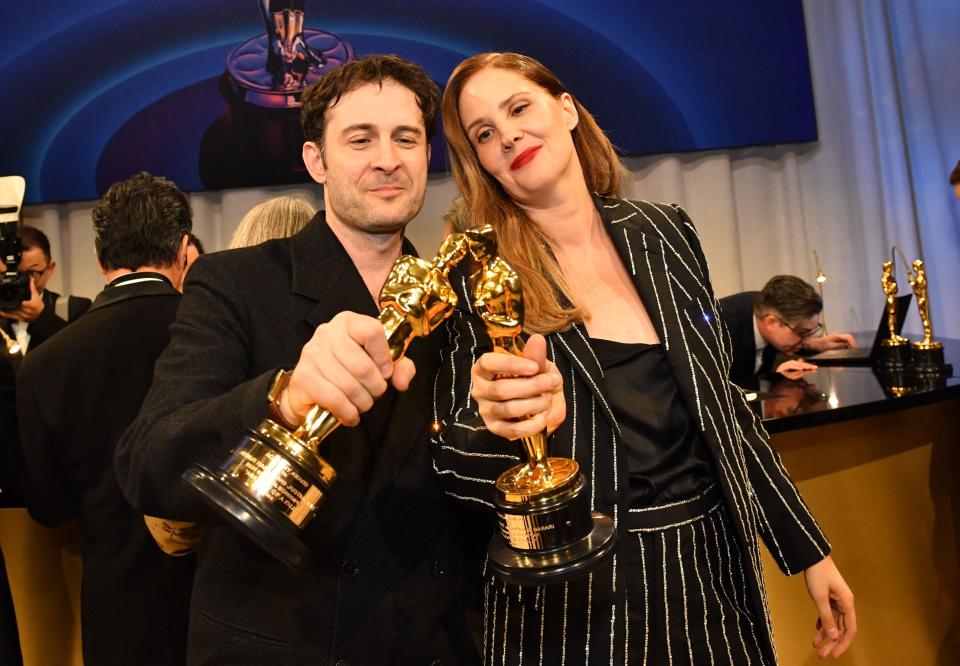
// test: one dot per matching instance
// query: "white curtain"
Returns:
(888, 111)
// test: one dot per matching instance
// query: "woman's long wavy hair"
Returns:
(548, 302)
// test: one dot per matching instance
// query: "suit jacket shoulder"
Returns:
(737, 313)
(77, 306)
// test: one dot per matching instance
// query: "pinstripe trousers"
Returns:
(682, 592)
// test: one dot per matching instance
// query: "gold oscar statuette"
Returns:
(547, 530)
(895, 349)
(274, 481)
(927, 353)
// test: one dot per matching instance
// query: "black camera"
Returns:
(14, 285)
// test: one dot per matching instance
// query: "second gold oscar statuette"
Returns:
(927, 353)
(548, 533)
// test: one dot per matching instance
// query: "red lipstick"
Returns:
(524, 158)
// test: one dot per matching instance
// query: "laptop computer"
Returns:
(865, 355)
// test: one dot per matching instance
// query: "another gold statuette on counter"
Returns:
(274, 481)
(547, 531)
(927, 353)
(895, 349)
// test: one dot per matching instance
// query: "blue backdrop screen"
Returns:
(94, 91)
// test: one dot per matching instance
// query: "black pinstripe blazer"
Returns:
(661, 251)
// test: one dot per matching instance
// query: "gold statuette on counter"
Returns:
(895, 349)
(275, 480)
(927, 353)
(547, 531)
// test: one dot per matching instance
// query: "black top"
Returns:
(666, 457)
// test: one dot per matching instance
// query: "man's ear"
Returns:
(96, 258)
(428, 151)
(313, 160)
(51, 267)
(571, 116)
(182, 253)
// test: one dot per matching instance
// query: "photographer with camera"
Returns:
(29, 315)
(32, 313)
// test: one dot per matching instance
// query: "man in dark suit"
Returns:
(31, 324)
(382, 585)
(782, 318)
(75, 397)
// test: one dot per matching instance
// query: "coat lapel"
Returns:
(657, 257)
(642, 256)
(643, 239)
(323, 271)
(641, 251)
(573, 343)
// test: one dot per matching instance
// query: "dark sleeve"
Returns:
(76, 306)
(49, 497)
(787, 526)
(737, 313)
(467, 456)
(202, 399)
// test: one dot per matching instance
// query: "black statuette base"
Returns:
(265, 530)
(894, 356)
(550, 539)
(265, 492)
(558, 565)
(928, 360)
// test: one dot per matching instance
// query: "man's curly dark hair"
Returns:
(141, 221)
(326, 92)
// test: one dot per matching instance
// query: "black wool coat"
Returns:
(75, 396)
(382, 586)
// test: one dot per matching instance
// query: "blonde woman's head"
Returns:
(279, 217)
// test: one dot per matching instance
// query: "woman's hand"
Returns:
(837, 624)
(519, 396)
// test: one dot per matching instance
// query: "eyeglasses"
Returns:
(803, 333)
(36, 274)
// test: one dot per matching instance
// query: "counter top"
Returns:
(834, 394)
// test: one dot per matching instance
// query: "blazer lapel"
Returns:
(669, 292)
(573, 344)
(641, 251)
(323, 271)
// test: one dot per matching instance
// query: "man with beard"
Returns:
(382, 586)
